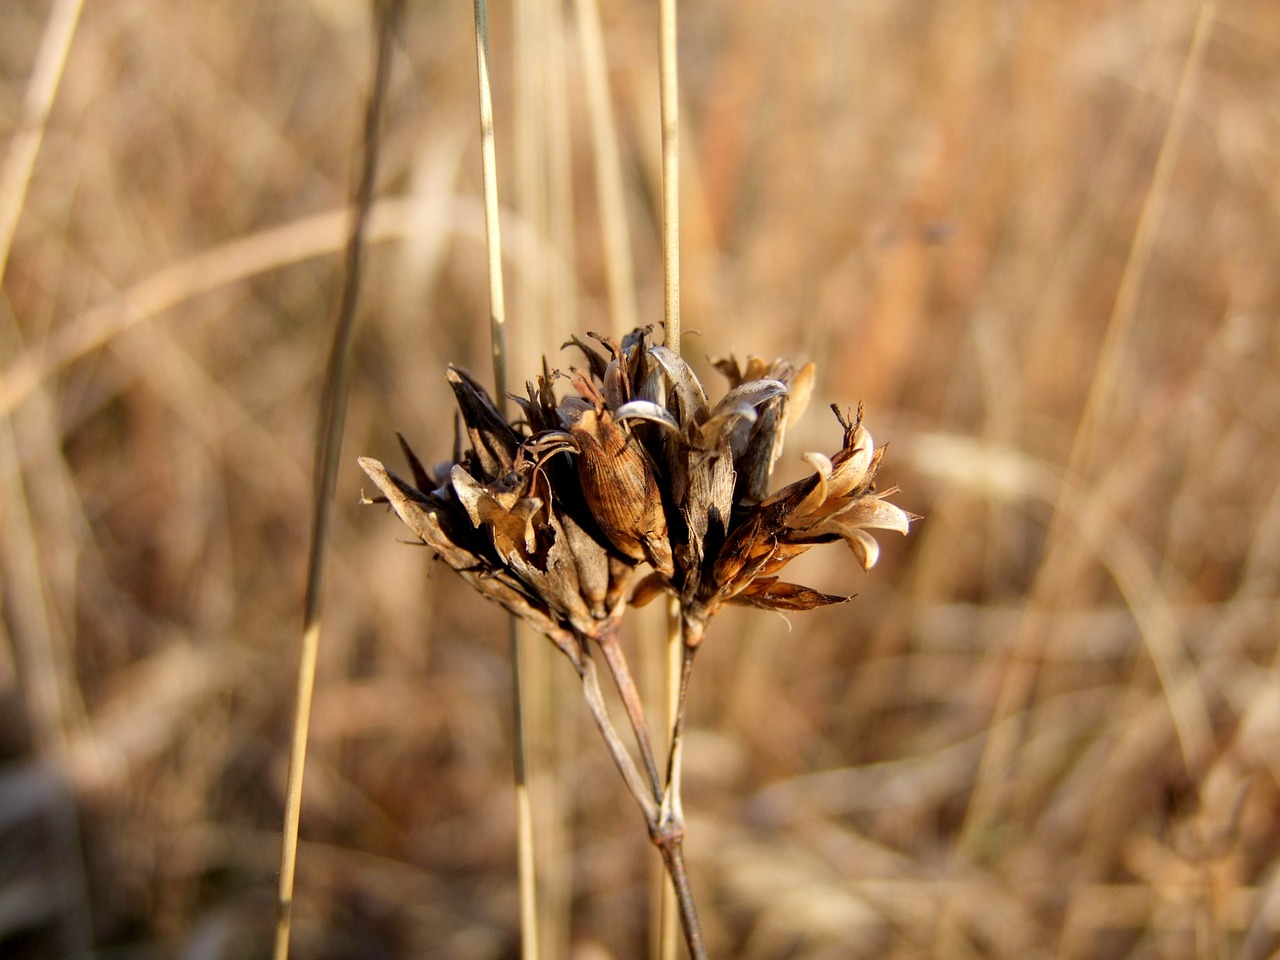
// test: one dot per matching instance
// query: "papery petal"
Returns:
(732, 372)
(871, 511)
(592, 561)
(818, 495)
(654, 585)
(421, 478)
(618, 484)
(691, 399)
(705, 499)
(646, 410)
(864, 547)
(595, 362)
(526, 512)
(756, 448)
(739, 403)
(506, 517)
(801, 388)
(853, 463)
(773, 594)
(417, 512)
(470, 493)
(751, 543)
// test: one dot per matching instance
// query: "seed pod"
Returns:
(619, 487)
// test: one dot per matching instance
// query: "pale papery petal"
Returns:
(470, 493)
(688, 388)
(526, 511)
(801, 389)
(742, 400)
(646, 410)
(739, 403)
(864, 547)
(818, 495)
(852, 472)
(877, 513)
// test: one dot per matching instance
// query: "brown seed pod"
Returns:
(619, 487)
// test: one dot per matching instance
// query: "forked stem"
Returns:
(662, 809)
(668, 833)
(672, 808)
(627, 690)
(617, 749)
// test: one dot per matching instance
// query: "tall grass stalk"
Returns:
(526, 855)
(669, 98)
(546, 305)
(614, 233)
(560, 713)
(333, 405)
(624, 316)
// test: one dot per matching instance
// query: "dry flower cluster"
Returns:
(556, 515)
(654, 474)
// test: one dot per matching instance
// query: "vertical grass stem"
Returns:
(527, 868)
(669, 95)
(333, 407)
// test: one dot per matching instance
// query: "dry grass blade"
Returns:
(332, 419)
(21, 158)
(937, 202)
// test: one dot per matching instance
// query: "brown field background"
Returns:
(1048, 725)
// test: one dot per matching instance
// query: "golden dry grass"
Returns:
(1047, 727)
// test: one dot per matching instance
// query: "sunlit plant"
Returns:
(629, 486)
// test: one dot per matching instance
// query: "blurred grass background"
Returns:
(1048, 726)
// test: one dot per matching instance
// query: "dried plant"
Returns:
(556, 517)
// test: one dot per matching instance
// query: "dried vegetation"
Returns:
(1047, 727)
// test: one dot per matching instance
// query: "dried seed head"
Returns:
(552, 517)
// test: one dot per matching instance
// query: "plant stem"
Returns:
(616, 242)
(617, 662)
(672, 808)
(668, 81)
(526, 867)
(492, 232)
(669, 99)
(671, 846)
(667, 938)
(333, 409)
(622, 759)
(668, 833)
